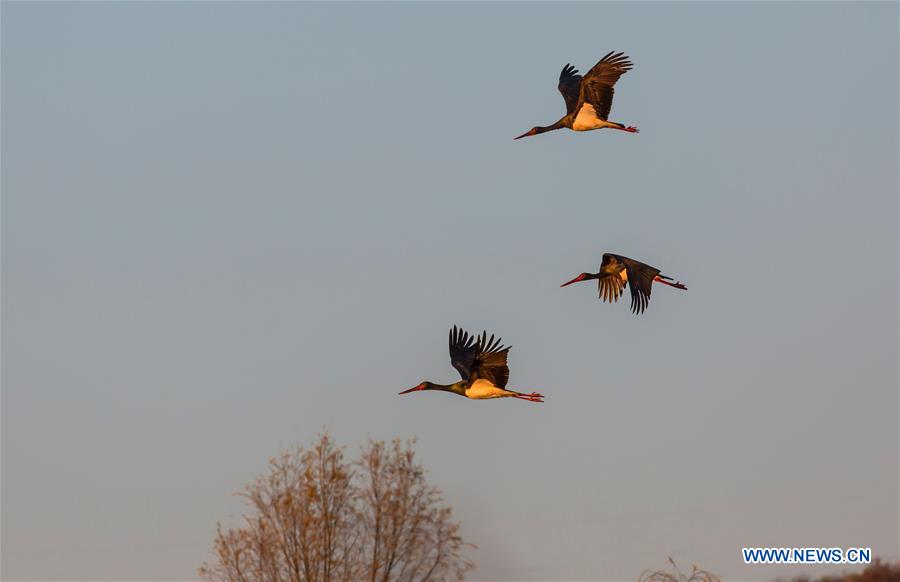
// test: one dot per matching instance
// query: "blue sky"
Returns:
(227, 226)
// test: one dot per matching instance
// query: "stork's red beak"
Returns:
(575, 280)
(413, 389)
(526, 134)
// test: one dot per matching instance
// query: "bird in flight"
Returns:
(482, 364)
(616, 271)
(589, 98)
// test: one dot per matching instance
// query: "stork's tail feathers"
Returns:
(670, 282)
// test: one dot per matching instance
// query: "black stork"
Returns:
(482, 364)
(616, 271)
(589, 98)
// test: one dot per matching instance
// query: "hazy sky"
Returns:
(226, 227)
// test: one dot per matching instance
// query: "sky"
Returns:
(227, 227)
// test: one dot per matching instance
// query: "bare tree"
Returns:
(316, 517)
(407, 534)
(676, 575)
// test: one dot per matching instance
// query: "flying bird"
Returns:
(482, 364)
(589, 98)
(616, 271)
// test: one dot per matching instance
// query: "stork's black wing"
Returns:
(569, 86)
(479, 357)
(490, 363)
(640, 281)
(611, 284)
(597, 85)
(610, 287)
(463, 350)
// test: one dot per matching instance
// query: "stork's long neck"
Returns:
(558, 125)
(456, 387)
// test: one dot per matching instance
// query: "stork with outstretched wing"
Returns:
(481, 361)
(589, 98)
(616, 271)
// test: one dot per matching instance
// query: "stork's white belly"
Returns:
(587, 119)
(481, 389)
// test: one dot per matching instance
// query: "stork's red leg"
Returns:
(676, 284)
(533, 397)
(629, 129)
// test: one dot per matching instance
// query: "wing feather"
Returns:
(477, 357)
(462, 352)
(597, 86)
(611, 287)
(640, 281)
(569, 86)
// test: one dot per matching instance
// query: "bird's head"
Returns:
(532, 131)
(581, 277)
(418, 387)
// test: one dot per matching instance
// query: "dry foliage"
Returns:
(676, 575)
(317, 517)
(877, 571)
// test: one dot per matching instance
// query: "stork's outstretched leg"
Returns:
(676, 284)
(628, 128)
(533, 397)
